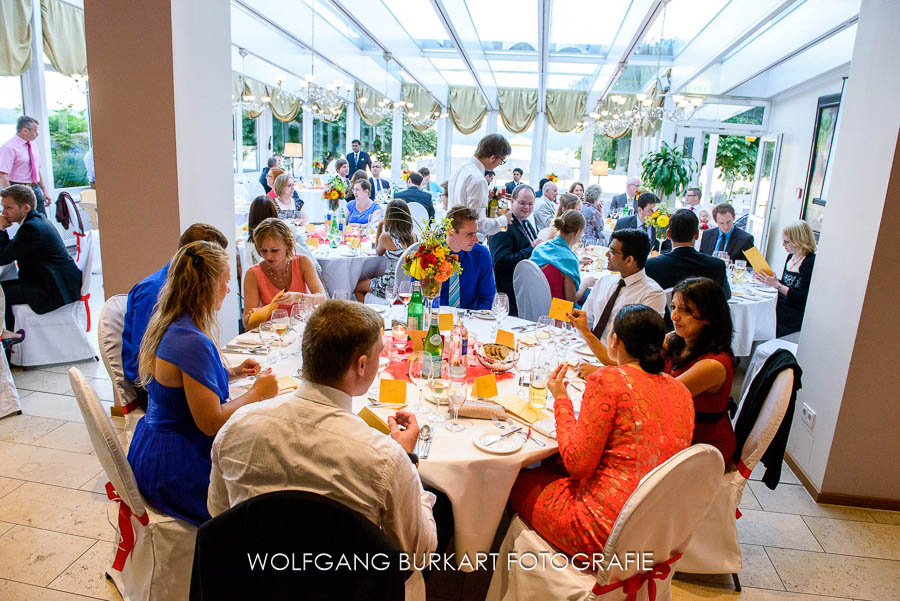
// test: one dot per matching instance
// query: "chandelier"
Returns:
(325, 103)
(642, 114)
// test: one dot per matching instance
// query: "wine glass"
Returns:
(341, 295)
(267, 336)
(297, 315)
(418, 375)
(500, 308)
(456, 398)
(740, 268)
(390, 295)
(282, 320)
(545, 333)
(404, 292)
(439, 385)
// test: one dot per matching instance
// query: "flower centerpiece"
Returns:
(552, 177)
(335, 190)
(405, 174)
(432, 263)
(659, 219)
(318, 166)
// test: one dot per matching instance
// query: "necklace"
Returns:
(273, 276)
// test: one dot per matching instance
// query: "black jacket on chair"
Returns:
(507, 250)
(416, 195)
(300, 525)
(363, 162)
(631, 222)
(737, 243)
(46, 271)
(684, 262)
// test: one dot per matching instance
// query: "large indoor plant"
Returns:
(668, 171)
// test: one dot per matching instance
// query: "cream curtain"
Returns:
(423, 103)
(467, 108)
(64, 44)
(15, 36)
(284, 106)
(258, 89)
(367, 101)
(237, 87)
(565, 108)
(518, 108)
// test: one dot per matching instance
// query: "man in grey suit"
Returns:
(546, 207)
(628, 198)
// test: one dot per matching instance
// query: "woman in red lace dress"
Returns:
(633, 417)
(698, 353)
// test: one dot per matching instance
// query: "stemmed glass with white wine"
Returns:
(267, 336)
(456, 398)
(500, 308)
(404, 292)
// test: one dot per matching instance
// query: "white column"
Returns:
(491, 122)
(265, 139)
(697, 153)
(634, 155)
(587, 152)
(710, 167)
(308, 156)
(34, 99)
(238, 133)
(397, 149)
(538, 149)
(352, 128)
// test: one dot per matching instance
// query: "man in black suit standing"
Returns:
(515, 244)
(377, 183)
(358, 159)
(726, 236)
(684, 262)
(517, 179)
(627, 198)
(273, 162)
(414, 194)
(48, 278)
(646, 204)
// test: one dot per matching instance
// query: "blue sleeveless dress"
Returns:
(169, 454)
(361, 217)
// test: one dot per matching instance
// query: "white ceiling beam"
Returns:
(462, 32)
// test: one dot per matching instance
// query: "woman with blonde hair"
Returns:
(287, 201)
(187, 382)
(567, 202)
(793, 287)
(271, 176)
(558, 261)
(281, 268)
(395, 234)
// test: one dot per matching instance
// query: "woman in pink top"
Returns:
(280, 269)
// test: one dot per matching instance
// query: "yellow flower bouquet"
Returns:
(659, 219)
(433, 263)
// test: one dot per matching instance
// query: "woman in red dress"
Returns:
(633, 417)
(698, 353)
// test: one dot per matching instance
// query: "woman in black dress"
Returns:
(793, 287)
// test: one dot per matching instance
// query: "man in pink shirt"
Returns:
(20, 161)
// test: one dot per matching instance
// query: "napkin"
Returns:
(521, 408)
(481, 410)
(263, 313)
(547, 427)
(287, 383)
(250, 339)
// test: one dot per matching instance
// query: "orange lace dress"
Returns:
(630, 422)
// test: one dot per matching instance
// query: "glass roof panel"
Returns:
(516, 80)
(581, 27)
(677, 24)
(635, 79)
(529, 66)
(340, 23)
(458, 78)
(574, 68)
(501, 28)
(558, 81)
(448, 63)
(420, 22)
(763, 29)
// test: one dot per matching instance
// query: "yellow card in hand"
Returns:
(507, 338)
(758, 261)
(560, 308)
(310, 228)
(445, 321)
(485, 386)
(418, 339)
(263, 313)
(312, 242)
(392, 391)
(371, 418)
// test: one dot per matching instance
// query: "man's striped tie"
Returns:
(453, 295)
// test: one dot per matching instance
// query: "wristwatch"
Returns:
(414, 459)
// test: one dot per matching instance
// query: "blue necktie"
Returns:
(453, 295)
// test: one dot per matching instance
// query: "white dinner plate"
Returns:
(508, 445)
(479, 315)
(585, 350)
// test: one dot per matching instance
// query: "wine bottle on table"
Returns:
(415, 316)
(434, 346)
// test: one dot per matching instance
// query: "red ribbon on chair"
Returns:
(78, 238)
(87, 309)
(130, 406)
(126, 545)
(631, 586)
(743, 470)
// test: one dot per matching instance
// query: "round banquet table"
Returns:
(343, 268)
(753, 315)
(478, 483)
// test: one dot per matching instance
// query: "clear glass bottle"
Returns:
(459, 350)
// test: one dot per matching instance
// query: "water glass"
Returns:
(456, 398)
(740, 268)
(537, 389)
(500, 308)
(418, 375)
(341, 295)
(404, 291)
(267, 336)
(390, 295)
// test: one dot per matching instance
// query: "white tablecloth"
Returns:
(342, 271)
(753, 315)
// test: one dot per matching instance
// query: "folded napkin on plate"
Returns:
(522, 409)
(247, 339)
(400, 370)
(547, 427)
(263, 313)
(481, 410)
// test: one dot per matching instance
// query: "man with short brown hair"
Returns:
(474, 288)
(20, 162)
(469, 188)
(725, 237)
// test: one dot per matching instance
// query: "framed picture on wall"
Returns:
(823, 136)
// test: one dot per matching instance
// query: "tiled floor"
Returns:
(56, 539)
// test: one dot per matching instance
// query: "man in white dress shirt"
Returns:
(628, 250)
(312, 440)
(468, 186)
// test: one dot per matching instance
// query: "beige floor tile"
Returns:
(837, 575)
(50, 466)
(26, 428)
(693, 591)
(37, 556)
(793, 498)
(87, 575)
(25, 592)
(758, 572)
(104, 389)
(90, 368)
(886, 517)
(5, 527)
(43, 381)
(748, 500)
(7, 485)
(54, 406)
(59, 509)
(776, 530)
(96, 484)
(861, 539)
(71, 436)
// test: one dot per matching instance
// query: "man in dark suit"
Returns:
(517, 179)
(48, 278)
(273, 162)
(414, 194)
(646, 204)
(376, 182)
(515, 244)
(358, 159)
(684, 262)
(726, 236)
(627, 198)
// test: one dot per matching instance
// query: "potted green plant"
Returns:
(668, 171)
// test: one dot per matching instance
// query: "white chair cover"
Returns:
(9, 396)
(659, 517)
(532, 290)
(59, 336)
(763, 352)
(419, 216)
(109, 335)
(159, 564)
(399, 274)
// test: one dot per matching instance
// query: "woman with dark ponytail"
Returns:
(699, 354)
(633, 417)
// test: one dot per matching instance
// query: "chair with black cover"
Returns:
(256, 550)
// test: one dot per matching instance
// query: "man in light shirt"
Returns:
(312, 440)
(628, 250)
(20, 162)
(545, 208)
(468, 186)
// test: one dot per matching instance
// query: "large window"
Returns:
(563, 157)
(329, 139)
(286, 131)
(68, 127)
(10, 106)
(250, 148)
(520, 157)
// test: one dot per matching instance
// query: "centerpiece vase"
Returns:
(431, 289)
(661, 235)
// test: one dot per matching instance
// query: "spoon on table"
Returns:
(426, 435)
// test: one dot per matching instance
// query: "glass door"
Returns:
(764, 188)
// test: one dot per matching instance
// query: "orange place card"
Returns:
(310, 228)
(371, 418)
(353, 242)
(312, 242)
(418, 339)
(485, 386)
(392, 391)
(445, 321)
(560, 308)
(507, 338)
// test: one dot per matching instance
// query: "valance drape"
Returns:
(467, 108)
(258, 90)
(284, 106)
(64, 44)
(423, 103)
(15, 36)
(367, 101)
(565, 108)
(518, 108)
(237, 86)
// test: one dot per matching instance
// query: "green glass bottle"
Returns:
(434, 346)
(415, 317)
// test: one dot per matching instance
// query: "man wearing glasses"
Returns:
(469, 188)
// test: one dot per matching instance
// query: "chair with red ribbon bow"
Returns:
(715, 548)
(154, 555)
(109, 336)
(643, 548)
